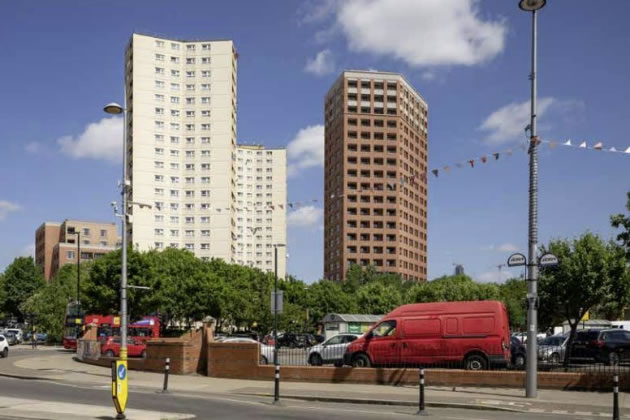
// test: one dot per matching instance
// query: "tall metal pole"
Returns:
(532, 261)
(78, 272)
(123, 274)
(276, 394)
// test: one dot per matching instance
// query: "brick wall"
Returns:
(240, 361)
(187, 353)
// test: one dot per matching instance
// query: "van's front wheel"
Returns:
(361, 361)
(476, 362)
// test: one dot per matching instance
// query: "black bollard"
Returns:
(167, 368)
(421, 410)
(276, 392)
(615, 397)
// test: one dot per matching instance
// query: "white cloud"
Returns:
(28, 251)
(32, 147)
(506, 247)
(421, 33)
(101, 140)
(305, 216)
(428, 75)
(322, 64)
(508, 122)
(306, 149)
(494, 276)
(7, 207)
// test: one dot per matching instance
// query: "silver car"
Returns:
(331, 350)
(552, 349)
(266, 352)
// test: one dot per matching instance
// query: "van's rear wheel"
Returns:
(476, 362)
(361, 361)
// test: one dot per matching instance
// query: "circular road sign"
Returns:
(548, 260)
(516, 260)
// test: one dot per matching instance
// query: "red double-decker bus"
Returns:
(72, 326)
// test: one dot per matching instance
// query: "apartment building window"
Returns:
(174, 46)
(159, 44)
(174, 99)
(159, 151)
(159, 245)
(190, 180)
(205, 127)
(159, 70)
(159, 57)
(175, 73)
(190, 247)
(205, 99)
(158, 191)
(190, 101)
(173, 245)
(205, 166)
(175, 126)
(174, 193)
(205, 179)
(205, 193)
(204, 206)
(190, 153)
(190, 141)
(190, 194)
(70, 255)
(205, 47)
(158, 178)
(205, 73)
(189, 233)
(205, 219)
(190, 74)
(158, 218)
(158, 164)
(205, 86)
(190, 47)
(174, 232)
(205, 113)
(174, 166)
(174, 180)
(190, 87)
(174, 112)
(159, 125)
(190, 206)
(159, 138)
(205, 153)
(174, 86)
(190, 61)
(159, 111)
(205, 60)
(159, 205)
(159, 98)
(174, 219)
(174, 60)
(174, 140)
(158, 232)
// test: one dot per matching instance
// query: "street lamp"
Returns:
(115, 109)
(276, 394)
(532, 264)
(73, 231)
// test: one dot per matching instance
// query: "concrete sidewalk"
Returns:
(60, 366)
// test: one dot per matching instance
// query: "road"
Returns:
(223, 406)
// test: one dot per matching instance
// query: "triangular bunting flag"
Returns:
(281, 206)
(290, 205)
(484, 159)
(583, 145)
(612, 149)
(508, 152)
(627, 150)
(496, 156)
(435, 172)
(598, 146)
(552, 144)
(447, 169)
(567, 143)
(472, 163)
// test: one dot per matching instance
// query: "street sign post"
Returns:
(548, 260)
(119, 387)
(279, 300)
(516, 259)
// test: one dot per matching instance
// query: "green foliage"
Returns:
(591, 273)
(623, 221)
(513, 293)
(21, 279)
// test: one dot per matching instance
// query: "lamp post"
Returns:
(532, 264)
(276, 394)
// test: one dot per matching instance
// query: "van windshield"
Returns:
(386, 328)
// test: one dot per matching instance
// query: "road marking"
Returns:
(583, 413)
(559, 411)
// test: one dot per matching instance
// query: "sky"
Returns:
(63, 60)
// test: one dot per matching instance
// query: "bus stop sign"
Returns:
(119, 385)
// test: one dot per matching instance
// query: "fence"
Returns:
(444, 354)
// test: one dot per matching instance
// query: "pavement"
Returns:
(53, 364)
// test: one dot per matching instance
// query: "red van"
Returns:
(475, 333)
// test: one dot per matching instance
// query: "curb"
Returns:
(24, 377)
(390, 402)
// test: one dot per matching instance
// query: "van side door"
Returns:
(383, 345)
(421, 340)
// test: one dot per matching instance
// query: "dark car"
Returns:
(519, 353)
(611, 347)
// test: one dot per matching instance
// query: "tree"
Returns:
(455, 288)
(623, 221)
(378, 299)
(513, 293)
(590, 272)
(22, 278)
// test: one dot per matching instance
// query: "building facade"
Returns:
(375, 176)
(182, 151)
(261, 197)
(56, 244)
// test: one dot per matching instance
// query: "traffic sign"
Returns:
(548, 260)
(516, 259)
(273, 301)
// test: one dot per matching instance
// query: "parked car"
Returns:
(610, 346)
(331, 350)
(110, 347)
(552, 349)
(518, 352)
(476, 334)
(19, 336)
(11, 338)
(4, 346)
(266, 352)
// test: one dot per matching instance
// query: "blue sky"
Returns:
(469, 59)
